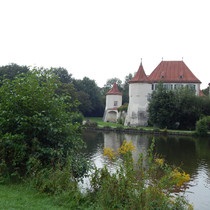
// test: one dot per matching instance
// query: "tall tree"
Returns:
(93, 97)
(36, 129)
(162, 108)
(62, 74)
(125, 96)
(188, 108)
(180, 108)
(11, 70)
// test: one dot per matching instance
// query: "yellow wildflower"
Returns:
(109, 152)
(126, 147)
(159, 161)
(179, 177)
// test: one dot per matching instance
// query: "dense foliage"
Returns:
(89, 96)
(36, 128)
(146, 183)
(203, 126)
(10, 71)
(176, 109)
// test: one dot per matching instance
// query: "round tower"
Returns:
(139, 92)
(113, 101)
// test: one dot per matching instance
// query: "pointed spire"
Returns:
(114, 90)
(140, 75)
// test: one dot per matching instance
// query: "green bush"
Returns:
(148, 183)
(35, 126)
(122, 108)
(91, 124)
(202, 127)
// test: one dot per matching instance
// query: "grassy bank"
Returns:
(21, 196)
(101, 124)
(132, 186)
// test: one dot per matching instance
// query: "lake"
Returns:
(190, 153)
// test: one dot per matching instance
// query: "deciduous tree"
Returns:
(35, 127)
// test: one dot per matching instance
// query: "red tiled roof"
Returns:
(173, 71)
(114, 90)
(140, 76)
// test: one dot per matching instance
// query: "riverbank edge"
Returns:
(130, 130)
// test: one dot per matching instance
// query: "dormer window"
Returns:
(162, 75)
(181, 76)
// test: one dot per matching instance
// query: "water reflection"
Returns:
(192, 154)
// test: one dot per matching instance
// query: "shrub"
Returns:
(122, 108)
(201, 127)
(35, 126)
(148, 183)
(91, 124)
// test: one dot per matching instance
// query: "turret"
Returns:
(113, 101)
(139, 91)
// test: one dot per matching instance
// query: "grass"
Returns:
(21, 196)
(101, 124)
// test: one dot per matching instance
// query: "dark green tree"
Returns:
(88, 86)
(188, 108)
(162, 108)
(204, 103)
(179, 108)
(85, 105)
(125, 90)
(35, 127)
(62, 74)
(11, 70)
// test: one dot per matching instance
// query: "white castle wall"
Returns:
(112, 101)
(137, 114)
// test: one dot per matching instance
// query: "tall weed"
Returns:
(136, 185)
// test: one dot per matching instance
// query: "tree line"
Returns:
(90, 97)
(178, 109)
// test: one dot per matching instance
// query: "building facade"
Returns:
(172, 74)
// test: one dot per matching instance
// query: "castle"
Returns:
(172, 74)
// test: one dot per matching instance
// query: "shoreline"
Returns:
(130, 130)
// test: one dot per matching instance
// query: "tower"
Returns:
(113, 101)
(139, 92)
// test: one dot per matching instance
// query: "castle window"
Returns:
(191, 86)
(148, 96)
(115, 103)
(152, 86)
(156, 86)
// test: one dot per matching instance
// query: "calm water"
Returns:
(192, 154)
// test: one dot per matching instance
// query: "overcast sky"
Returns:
(106, 39)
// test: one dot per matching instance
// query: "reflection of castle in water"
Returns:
(191, 153)
(115, 140)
